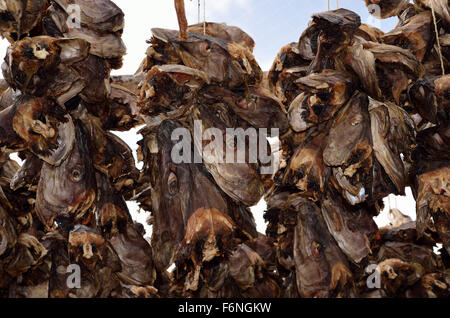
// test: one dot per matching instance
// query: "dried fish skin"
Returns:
(440, 7)
(257, 106)
(169, 88)
(8, 232)
(349, 133)
(414, 34)
(224, 32)
(225, 63)
(135, 255)
(429, 97)
(324, 95)
(348, 227)
(321, 268)
(433, 197)
(20, 17)
(306, 169)
(104, 45)
(240, 181)
(67, 191)
(368, 33)
(124, 112)
(339, 25)
(393, 133)
(28, 174)
(103, 16)
(387, 8)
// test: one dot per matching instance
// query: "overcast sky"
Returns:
(271, 23)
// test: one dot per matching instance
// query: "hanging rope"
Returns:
(329, 5)
(204, 17)
(199, 6)
(437, 40)
(182, 21)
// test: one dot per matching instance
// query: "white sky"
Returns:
(271, 23)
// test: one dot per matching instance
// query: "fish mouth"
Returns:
(164, 35)
(81, 210)
(83, 205)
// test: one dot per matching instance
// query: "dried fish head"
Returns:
(20, 17)
(306, 169)
(104, 16)
(321, 268)
(257, 106)
(240, 181)
(383, 9)
(349, 138)
(225, 63)
(224, 32)
(135, 255)
(68, 191)
(169, 88)
(336, 29)
(323, 96)
(86, 246)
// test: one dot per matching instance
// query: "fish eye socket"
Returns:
(76, 175)
(316, 248)
(172, 184)
(206, 48)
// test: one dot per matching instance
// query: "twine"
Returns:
(437, 40)
(204, 17)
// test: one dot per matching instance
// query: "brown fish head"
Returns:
(321, 267)
(103, 16)
(47, 132)
(176, 186)
(31, 64)
(222, 61)
(20, 17)
(306, 170)
(135, 255)
(349, 228)
(350, 134)
(324, 95)
(68, 191)
(241, 181)
(111, 211)
(386, 9)
(8, 232)
(224, 32)
(86, 246)
(210, 236)
(169, 87)
(334, 29)
(124, 112)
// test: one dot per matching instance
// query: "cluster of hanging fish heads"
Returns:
(362, 114)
